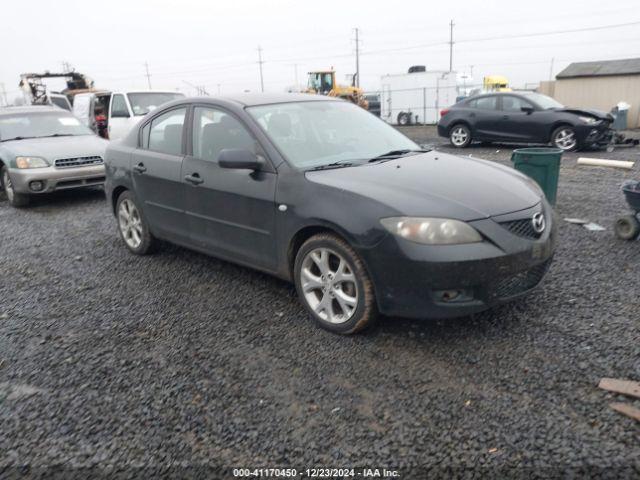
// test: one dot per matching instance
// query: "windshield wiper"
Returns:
(396, 154)
(15, 138)
(57, 135)
(332, 165)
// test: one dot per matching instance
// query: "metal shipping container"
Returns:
(416, 98)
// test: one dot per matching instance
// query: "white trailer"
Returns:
(416, 98)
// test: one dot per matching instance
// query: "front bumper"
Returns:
(53, 179)
(594, 135)
(420, 281)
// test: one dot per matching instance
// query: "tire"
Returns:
(564, 138)
(341, 306)
(404, 118)
(17, 200)
(460, 136)
(627, 227)
(133, 226)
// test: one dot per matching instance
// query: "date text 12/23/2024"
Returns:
(316, 473)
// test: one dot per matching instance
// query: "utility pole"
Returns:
(551, 70)
(451, 25)
(295, 71)
(148, 75)
(4, 94)
(357, 77)
(260, 62)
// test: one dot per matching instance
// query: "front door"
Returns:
(230, 212)
(156, 168)
(517, 125)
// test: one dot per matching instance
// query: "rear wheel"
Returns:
(460, 136)
(15, 199)
(333, 285)
(564, 138)
(627, 227)
(132, 226)
(404, 118)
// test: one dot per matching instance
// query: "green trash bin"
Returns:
(541, 164)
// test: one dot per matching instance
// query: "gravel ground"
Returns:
(123, 364)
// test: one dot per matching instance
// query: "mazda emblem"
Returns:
(538, 223)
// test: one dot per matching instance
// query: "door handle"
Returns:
(140, 168)
(505, 117)
(194, 179)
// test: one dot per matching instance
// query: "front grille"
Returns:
(521, 282)
(78, 162)
(522, 228)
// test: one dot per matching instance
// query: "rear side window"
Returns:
(484, 103)
(165, 132)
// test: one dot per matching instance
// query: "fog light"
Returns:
(36, 185)
(454, 295)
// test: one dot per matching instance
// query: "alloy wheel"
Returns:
(130, 223)
(565, 139)
(329, 285)
(459, 136)
(8, 186)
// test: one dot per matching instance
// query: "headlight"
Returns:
(432, 231)
(31, 162)
(588, 120)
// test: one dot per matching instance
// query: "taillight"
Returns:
(444, 112)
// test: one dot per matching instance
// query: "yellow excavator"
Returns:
(496, 83)
(324, 83)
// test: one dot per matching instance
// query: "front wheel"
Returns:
(333, 285)
(404, 118)
(132, 226)
(15, 199)
(564, 138)
(627, 227)
(460, 136)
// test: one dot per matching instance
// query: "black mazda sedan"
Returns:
(523, 117)
(320, 192)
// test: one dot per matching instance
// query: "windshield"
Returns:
(143, 103)
(40, 124)
(312, 134)
(542, 101)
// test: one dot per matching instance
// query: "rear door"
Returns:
(485, 117)
(156, 170)
(230, 212)
(519, 126)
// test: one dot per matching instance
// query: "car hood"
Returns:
(436, 184)
(592, 113)
(57, 147)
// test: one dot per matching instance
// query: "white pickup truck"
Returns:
(112, 114)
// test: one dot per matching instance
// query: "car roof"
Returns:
(31, 109)
(254, 99)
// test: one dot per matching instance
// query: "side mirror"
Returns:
(527, 110)
(239, 159)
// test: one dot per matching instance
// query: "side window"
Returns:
(514, 104)
(119, 106)
(165, 132)
(486, 103)
(215, 130)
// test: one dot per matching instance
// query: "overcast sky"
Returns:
(214, 43)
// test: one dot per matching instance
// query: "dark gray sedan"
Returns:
(322, 193)
(44, 149)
